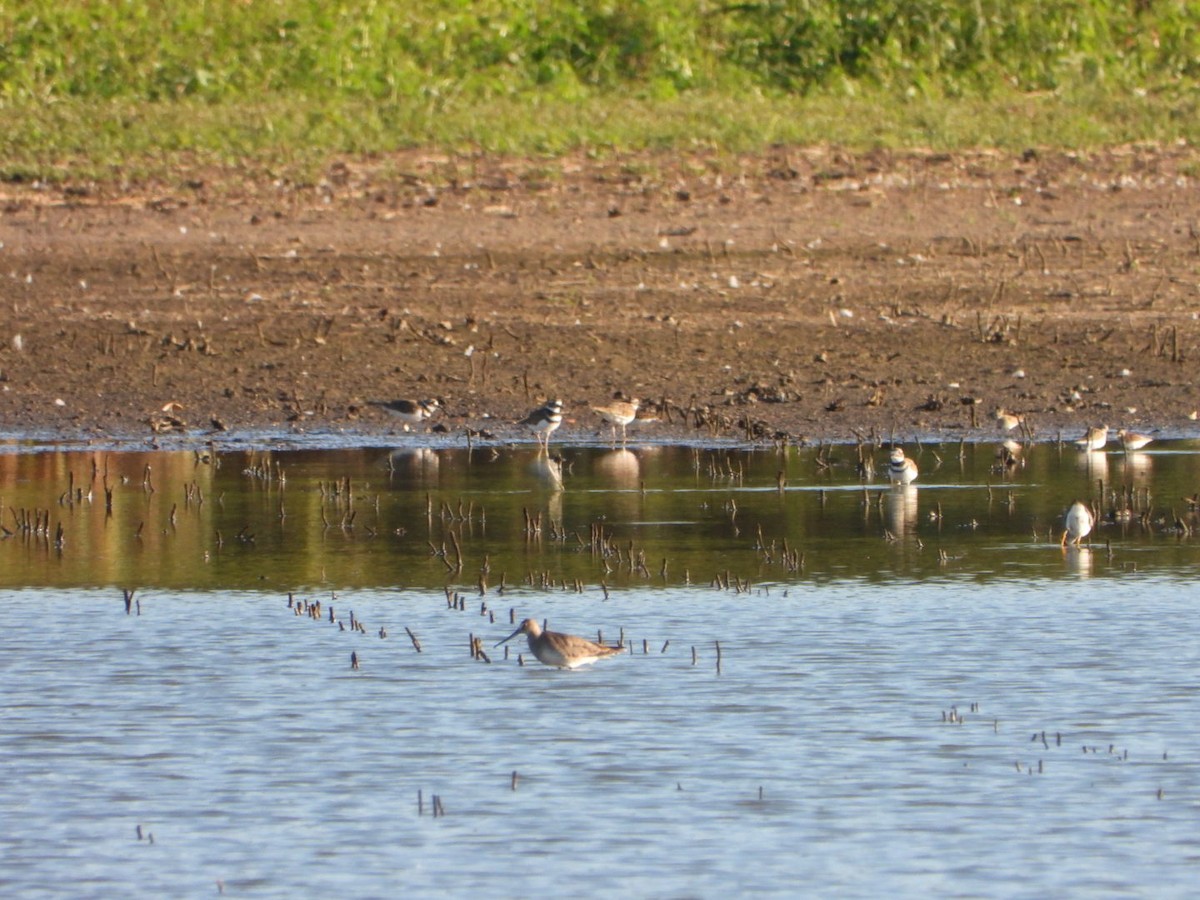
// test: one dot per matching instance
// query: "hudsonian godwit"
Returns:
(566, 651)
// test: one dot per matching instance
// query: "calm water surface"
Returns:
(918, 692)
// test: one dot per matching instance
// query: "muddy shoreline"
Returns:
(799, 296)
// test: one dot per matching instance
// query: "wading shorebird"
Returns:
(1077, 523)
(1131, 440)
(1008, 456)
(543, 421)
(1095, 439)
(412, 412)
(618, 413)
(901, 468)
(566, 651)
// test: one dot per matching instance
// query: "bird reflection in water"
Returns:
(901, 511)
(619, 468)
(420, 462)
(1079, 560)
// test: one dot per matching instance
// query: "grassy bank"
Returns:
(94, 87)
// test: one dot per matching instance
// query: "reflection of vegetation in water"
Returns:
(490, 519)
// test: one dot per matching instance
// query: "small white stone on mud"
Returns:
(733, 282)
(1124, 373)
(846, 313)
(59, 401)
(1018, 373)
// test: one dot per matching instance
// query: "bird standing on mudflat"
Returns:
(543, 421)
(566, 651)
(1007, 421)
(618, 413)
(412, 412)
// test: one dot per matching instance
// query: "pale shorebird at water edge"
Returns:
(1094, 439)
(618, 413)
(1132, 441)
(1077, 523)
(1007, 421)
(900, 467)
(566, 651)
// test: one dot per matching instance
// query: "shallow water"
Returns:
(652, 516)
(881, 696)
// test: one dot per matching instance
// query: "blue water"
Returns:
(237, 734)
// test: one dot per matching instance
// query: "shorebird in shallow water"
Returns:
(1131, 440)
(1077, 523)
(900, 467)
(412, 412)
(1008, 456)
(543, 421)
(566, 651)
(618, 413)
(1095, 439)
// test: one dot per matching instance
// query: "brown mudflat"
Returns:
(810, 294)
